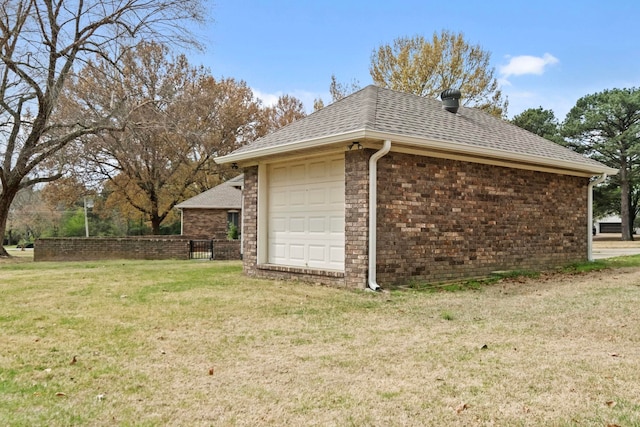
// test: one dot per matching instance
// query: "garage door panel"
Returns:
(278, 224)
(298, 198)
(297, 172)
(309, 204)
(278, 250)
(297, 252)
(317, 224)
(317, 253)
(336, 224)
(297, 225)
(336, 254)
(278, 175)
(317, 196)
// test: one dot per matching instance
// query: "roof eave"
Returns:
(291, 146)
(484, 152)
(441, 145)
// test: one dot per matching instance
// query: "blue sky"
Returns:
(545, 53)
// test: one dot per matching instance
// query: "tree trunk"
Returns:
(625, 211)
(155, 225)
(6, 197)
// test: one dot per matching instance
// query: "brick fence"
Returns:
(144, 247)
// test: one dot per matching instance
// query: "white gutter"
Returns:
(590, 214)
(373, 205)
(422, 143)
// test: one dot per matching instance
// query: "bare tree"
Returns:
(41, 41)
(179, 118)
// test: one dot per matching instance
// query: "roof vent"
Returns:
(450, 99)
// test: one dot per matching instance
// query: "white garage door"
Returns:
(306, 213)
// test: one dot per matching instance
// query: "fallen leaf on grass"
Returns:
(210, 371)
(73, 361)
(462, 407)
(61, 394)
(613, 425)
(611, 403)
(614, 354)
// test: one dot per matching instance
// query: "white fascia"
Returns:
(421, 143)
(291, 146)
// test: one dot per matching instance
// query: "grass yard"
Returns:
(196, 344)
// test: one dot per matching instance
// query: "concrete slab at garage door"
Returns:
(306, 213)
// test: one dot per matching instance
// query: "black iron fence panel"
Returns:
(201, 249)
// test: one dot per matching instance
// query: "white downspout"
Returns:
(590, 214)
(373, 204)
(242, 220)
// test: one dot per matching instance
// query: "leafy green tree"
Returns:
(541, 122)
(72, 224)
(606, 127)
(426, 68)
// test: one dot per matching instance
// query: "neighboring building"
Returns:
(608, 225)
(209, 214)
(456, 194)
(611, 224)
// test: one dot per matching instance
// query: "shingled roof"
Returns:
(376, 113)
(224, 196)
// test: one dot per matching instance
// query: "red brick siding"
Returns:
(205, 223)
(250, 226)
(441, 219)
(226, 250)
(356, 218)
(97, 248)
(100, 248)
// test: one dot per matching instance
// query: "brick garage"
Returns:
(458, 194)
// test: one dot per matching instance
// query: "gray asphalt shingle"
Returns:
(224, 196)
(397, 113)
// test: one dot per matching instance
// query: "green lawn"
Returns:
(196, 343)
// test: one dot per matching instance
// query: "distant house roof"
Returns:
(376, 114)
(224, 196)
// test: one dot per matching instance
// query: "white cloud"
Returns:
(526, 64)
(307, 97)
(268, 99)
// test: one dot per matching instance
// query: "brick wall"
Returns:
(226, 250)
(100, 248)
(356, 218)
(95, 248)
(205, 223)
(441, 219)
(250, 226)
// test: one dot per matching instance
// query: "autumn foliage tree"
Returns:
(178, 119)
(287, 110)
(427, 67)
(41, 45)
